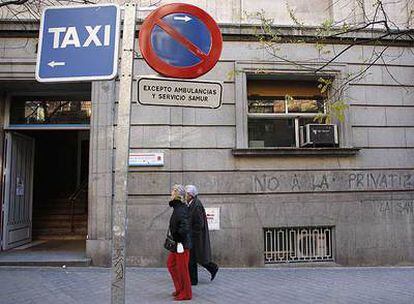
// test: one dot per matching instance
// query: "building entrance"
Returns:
(45, 150)
(46, 186)
(60, 197)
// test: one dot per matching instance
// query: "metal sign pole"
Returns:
(119, 204)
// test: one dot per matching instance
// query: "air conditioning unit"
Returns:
(319, 135)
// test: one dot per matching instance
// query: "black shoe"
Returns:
(213, 274)
(194, 283)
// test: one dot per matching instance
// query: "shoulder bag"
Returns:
(169, 243)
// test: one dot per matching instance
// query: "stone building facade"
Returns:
(279, 202)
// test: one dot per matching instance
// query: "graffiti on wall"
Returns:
(391, 209)
(316, 181)
(386, 208)
(380, 180)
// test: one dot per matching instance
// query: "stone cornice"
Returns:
(245, 32)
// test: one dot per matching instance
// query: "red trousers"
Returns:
(177, 264)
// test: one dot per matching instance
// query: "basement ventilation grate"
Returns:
(298, 244)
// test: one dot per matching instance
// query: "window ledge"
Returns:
(348, 151)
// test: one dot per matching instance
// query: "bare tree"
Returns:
(376, 29)
(14, 2)
(32, 9)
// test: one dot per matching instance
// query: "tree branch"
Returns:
(13, 2)
(347, 48)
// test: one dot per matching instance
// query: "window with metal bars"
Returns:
(298, 244)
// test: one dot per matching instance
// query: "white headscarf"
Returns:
(191, 190)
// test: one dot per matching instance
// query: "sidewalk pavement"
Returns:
(336, 285)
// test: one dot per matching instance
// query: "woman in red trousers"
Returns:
(177, 262)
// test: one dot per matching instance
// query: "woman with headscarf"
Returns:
(177, 262)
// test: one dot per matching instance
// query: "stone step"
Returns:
(60, 231)
(59, 221)
(65, 237)
(59, 217)
(79, 262)
(60, 204)
(76, 211)
(59, 225)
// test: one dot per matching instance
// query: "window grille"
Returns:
(298, 244)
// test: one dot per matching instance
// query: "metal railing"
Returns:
(72, 198)
(298, 244)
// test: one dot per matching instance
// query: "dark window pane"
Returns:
(271, 133)
(304, 121)
(26, 111)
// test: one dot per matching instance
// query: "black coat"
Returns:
(180, 224)
(199, 231)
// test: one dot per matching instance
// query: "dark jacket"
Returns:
(199, 232)
(180, 224)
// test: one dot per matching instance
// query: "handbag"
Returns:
(169, 243)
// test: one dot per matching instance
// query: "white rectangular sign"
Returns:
(146, 159)
(213, 218)
(179, 92)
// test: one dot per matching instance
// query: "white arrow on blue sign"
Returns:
(78, 43)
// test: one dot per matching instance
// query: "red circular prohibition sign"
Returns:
(207, 61)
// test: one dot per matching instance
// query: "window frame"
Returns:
(7, 125)
(295, 116)
(283, 71)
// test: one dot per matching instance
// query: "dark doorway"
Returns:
(60, 184)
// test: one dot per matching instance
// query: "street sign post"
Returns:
(122, 130)
(180, 40)
(179, 93)
(78, 43)
(202, 44)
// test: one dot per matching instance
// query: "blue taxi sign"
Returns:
(78, 43)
